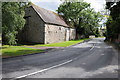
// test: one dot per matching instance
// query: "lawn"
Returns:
(8, 51)
(63, 44)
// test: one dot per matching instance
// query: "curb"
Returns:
(46, 50)
(80, 42)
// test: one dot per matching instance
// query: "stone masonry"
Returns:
(42, 28)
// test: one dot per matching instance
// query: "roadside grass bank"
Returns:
(11, 51)
(100, 37)
(63, 44)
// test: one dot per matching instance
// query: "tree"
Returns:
(12, 21)
(90, 21)
(80, 16)
(113, 23)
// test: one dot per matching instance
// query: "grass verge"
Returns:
(63, 44)
(11, 51)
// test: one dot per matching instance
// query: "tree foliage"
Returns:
(12, 21)
(81, 16)
(113, 23)
(90, 21)
(113, 28)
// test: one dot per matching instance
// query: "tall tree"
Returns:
(113, 23)
(80, 16)
(12, 21)
(90, 21)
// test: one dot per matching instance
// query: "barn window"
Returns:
(48, 31)
(59, 28)
(26, 17)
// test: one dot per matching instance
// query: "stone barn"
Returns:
(44, 26)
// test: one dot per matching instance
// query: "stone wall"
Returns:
(33, 31)
(55, 33)
(72, 33)
(36, 31)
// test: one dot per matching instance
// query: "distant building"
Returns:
(43, 26)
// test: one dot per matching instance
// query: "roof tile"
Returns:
(49, 16)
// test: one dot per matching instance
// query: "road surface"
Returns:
(92, 59)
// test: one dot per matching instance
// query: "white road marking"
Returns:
(48, 68)
(100, 72)
(43, 70)
(92, 48)
(83, 63)
(102, 54)
(63, 50)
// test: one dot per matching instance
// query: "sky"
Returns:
(53, 4)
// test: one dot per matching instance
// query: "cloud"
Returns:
(53, 4)
(45, 0)
(48, 4)
(96, 4)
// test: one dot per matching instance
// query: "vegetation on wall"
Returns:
(81, 16)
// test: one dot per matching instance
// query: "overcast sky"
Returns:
(53, 4)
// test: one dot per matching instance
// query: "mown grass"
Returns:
(8, 51)
(101, 37)
(63, 44)
(11, 51)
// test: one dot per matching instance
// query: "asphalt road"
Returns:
(92, 59)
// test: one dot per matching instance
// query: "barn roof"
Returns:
(49, 16)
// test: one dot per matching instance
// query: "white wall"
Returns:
(55, 34)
